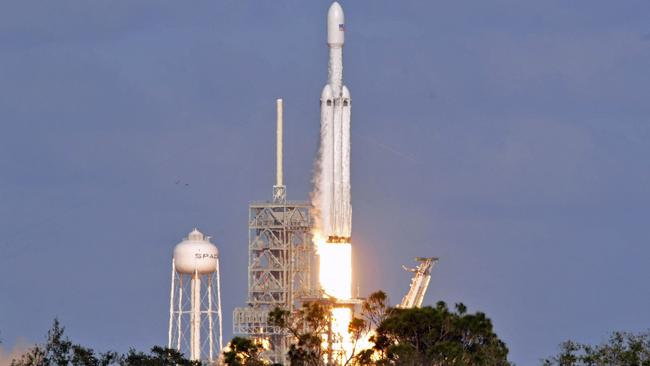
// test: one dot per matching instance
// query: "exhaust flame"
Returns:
(335, 268)
(342, 345)
(335, 275)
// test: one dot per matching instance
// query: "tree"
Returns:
(431, 336)
(375, 308)
(437, 336)
(307, 326)
(243, 352)
(60, 351)
(373, 312)
(313, 321)
(159, 356)
(622, 349)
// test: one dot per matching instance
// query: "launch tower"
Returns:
(280, 255)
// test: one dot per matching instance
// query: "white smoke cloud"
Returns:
(7, 355)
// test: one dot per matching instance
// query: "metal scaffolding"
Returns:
(280, 256)
(419, 282)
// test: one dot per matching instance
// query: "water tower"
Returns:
(195, 327)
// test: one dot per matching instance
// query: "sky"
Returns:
(509, 138)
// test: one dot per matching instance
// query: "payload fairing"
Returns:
(333, 184)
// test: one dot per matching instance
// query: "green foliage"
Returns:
(60, 351)
(438, 336)
(622, 349)
(375, 308)
(159, 356)
(306, 326)
(422, 336)
(243, 352)
(373, 311)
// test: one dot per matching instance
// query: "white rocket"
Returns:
(334, 182)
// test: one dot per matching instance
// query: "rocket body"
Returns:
(334, 183)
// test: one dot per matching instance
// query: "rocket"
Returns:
(334, 182)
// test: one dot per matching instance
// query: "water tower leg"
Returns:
(219, 308)
(210, 331)
(195, 330)
(171, 308)
(179, 313)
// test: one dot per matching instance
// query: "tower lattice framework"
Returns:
(280, 256)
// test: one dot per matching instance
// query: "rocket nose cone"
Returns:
(335, 12)
(335, 25)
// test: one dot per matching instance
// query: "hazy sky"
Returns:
(509, 138)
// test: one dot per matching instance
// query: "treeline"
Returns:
(427, 336)
(420, 336)
(58, 350)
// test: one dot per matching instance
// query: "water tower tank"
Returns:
(195, 300)
(196, 254)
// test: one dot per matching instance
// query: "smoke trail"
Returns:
(322, 185)
(315, 195)
(20, 348)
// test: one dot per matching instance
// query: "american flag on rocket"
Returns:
(342, 27)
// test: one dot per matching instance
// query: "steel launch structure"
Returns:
(280, 257)
(419, 283)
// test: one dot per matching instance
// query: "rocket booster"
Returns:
(334, 183)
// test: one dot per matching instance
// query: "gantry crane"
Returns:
(419, 282)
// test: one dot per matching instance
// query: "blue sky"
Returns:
(509, 138)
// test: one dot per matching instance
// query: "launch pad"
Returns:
(281, 258)
(286, 236)
(282, 234)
